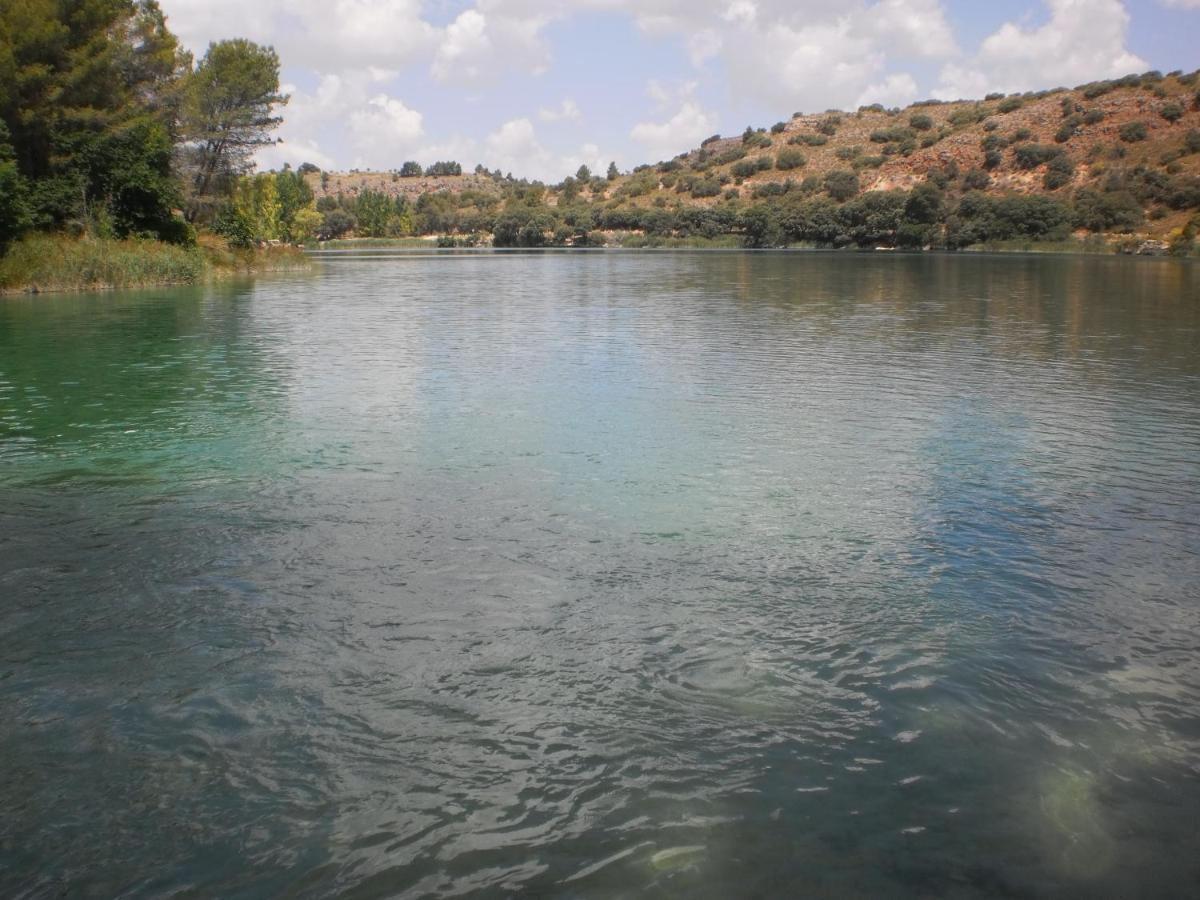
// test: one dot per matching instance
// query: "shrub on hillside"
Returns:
(1133, 132)
(897, 133)
(921, 122)
(977, 180)
(1059, 172)
(1030, 156)
(790, 158)
(1010, 104)
(1172, 112)
(841, 185)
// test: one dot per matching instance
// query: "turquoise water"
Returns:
(606, 575)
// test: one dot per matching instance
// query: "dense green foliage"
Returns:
(89, 96)
(108, 130)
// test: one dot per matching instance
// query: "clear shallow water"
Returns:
(597, 575)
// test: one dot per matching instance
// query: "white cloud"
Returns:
(464, 48)
(322, 35)
(681, 132)
(1084, 40)
(515, 147)
(383, 126)
(895, 90)
(568, 109)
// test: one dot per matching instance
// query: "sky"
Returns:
(538, 87)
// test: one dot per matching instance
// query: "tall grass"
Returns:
(41, 262)
(58, 263)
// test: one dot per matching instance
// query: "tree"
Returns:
(584, 175)
(612, 171)
(89, 91)
(228, 114)
(448, 167)
(411, 169)
(14, 205)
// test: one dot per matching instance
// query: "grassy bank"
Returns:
(51, 263)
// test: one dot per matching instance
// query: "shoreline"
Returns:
(55, 265)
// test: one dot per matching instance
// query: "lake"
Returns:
(606, 574)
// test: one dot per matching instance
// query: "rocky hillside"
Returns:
(1117, 157)
(1052, 142)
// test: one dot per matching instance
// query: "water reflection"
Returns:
(668, 574)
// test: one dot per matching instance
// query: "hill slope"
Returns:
(1119, 157)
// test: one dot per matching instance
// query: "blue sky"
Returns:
(537, 87)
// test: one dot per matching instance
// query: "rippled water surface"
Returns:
(595, 575)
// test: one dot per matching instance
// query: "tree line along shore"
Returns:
(125, 161)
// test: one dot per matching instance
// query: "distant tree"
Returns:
(307, 168)
(228, 114)
(411, 169)
(448, 167)
(583, 175)
(612, 171)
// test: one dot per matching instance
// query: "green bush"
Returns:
(812, 140)
(790, 158)
(1112, 211)
(1093, 117)
(1059, 172)
(778, 128)
(1010, 104)
(1133, 132)
(977, 180)
(841, 185)
(1064, 134)
(747, 167)
(1191, 141)
(1172, 112)
(921, 122)
(897, 133)
(1030, 156)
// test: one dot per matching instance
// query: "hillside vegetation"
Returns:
(1119, 159)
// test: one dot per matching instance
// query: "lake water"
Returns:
(606, 575)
